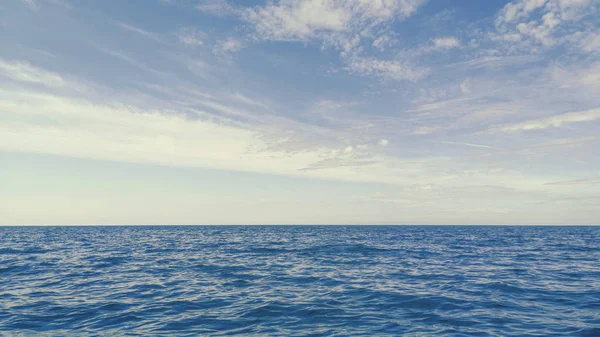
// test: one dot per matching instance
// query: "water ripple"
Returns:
(300, 281)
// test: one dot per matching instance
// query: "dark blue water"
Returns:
(300, 281)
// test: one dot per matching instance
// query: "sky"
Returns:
(300, 112)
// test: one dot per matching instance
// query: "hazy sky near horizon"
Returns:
(306, 111)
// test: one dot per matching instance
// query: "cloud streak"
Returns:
(554, 121)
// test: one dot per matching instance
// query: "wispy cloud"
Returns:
(36, 5)
(216, 7)
(32, 4)
(442, 43)
(389, 69)
(584, 181)
(554, 121)
(24, 72)
(126, 58)
(191, 37)
(228, 46)
(139, 31)
(247, 100)
(564, 142)
(495, 62)
(468, 145)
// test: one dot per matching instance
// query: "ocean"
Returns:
(300, 281)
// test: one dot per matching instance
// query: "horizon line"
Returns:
(297, 224)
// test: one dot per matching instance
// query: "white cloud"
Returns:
(585, 181)
(346, 25)
(121, 132)
(426, 130)
(227, 46)
(495, 62)
(297, 20)
(32, 4)
(24, 72)
(468, 144)
(520, 9)
(464, 87)
(384, 142)
(191, 37)
(247, 100)
(328, 105)
(381, 42)
(126, 133)
(540, 31)
(581, 81)
(563, 142)
(126, 58)
(305, 19)
(445, 43)
(537, 21)
(572, 9)
(590, 43)
(36, 4)
(216, 7)
(104, 128)
(554, 121)
(139, 31)
(390, 69)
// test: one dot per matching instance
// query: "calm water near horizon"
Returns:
(300, 281)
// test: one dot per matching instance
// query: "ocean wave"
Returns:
(300, 281)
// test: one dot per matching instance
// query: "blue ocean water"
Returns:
(300, 281)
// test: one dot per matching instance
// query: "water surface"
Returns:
(300, 281)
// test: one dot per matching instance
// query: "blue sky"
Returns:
(306, 111)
